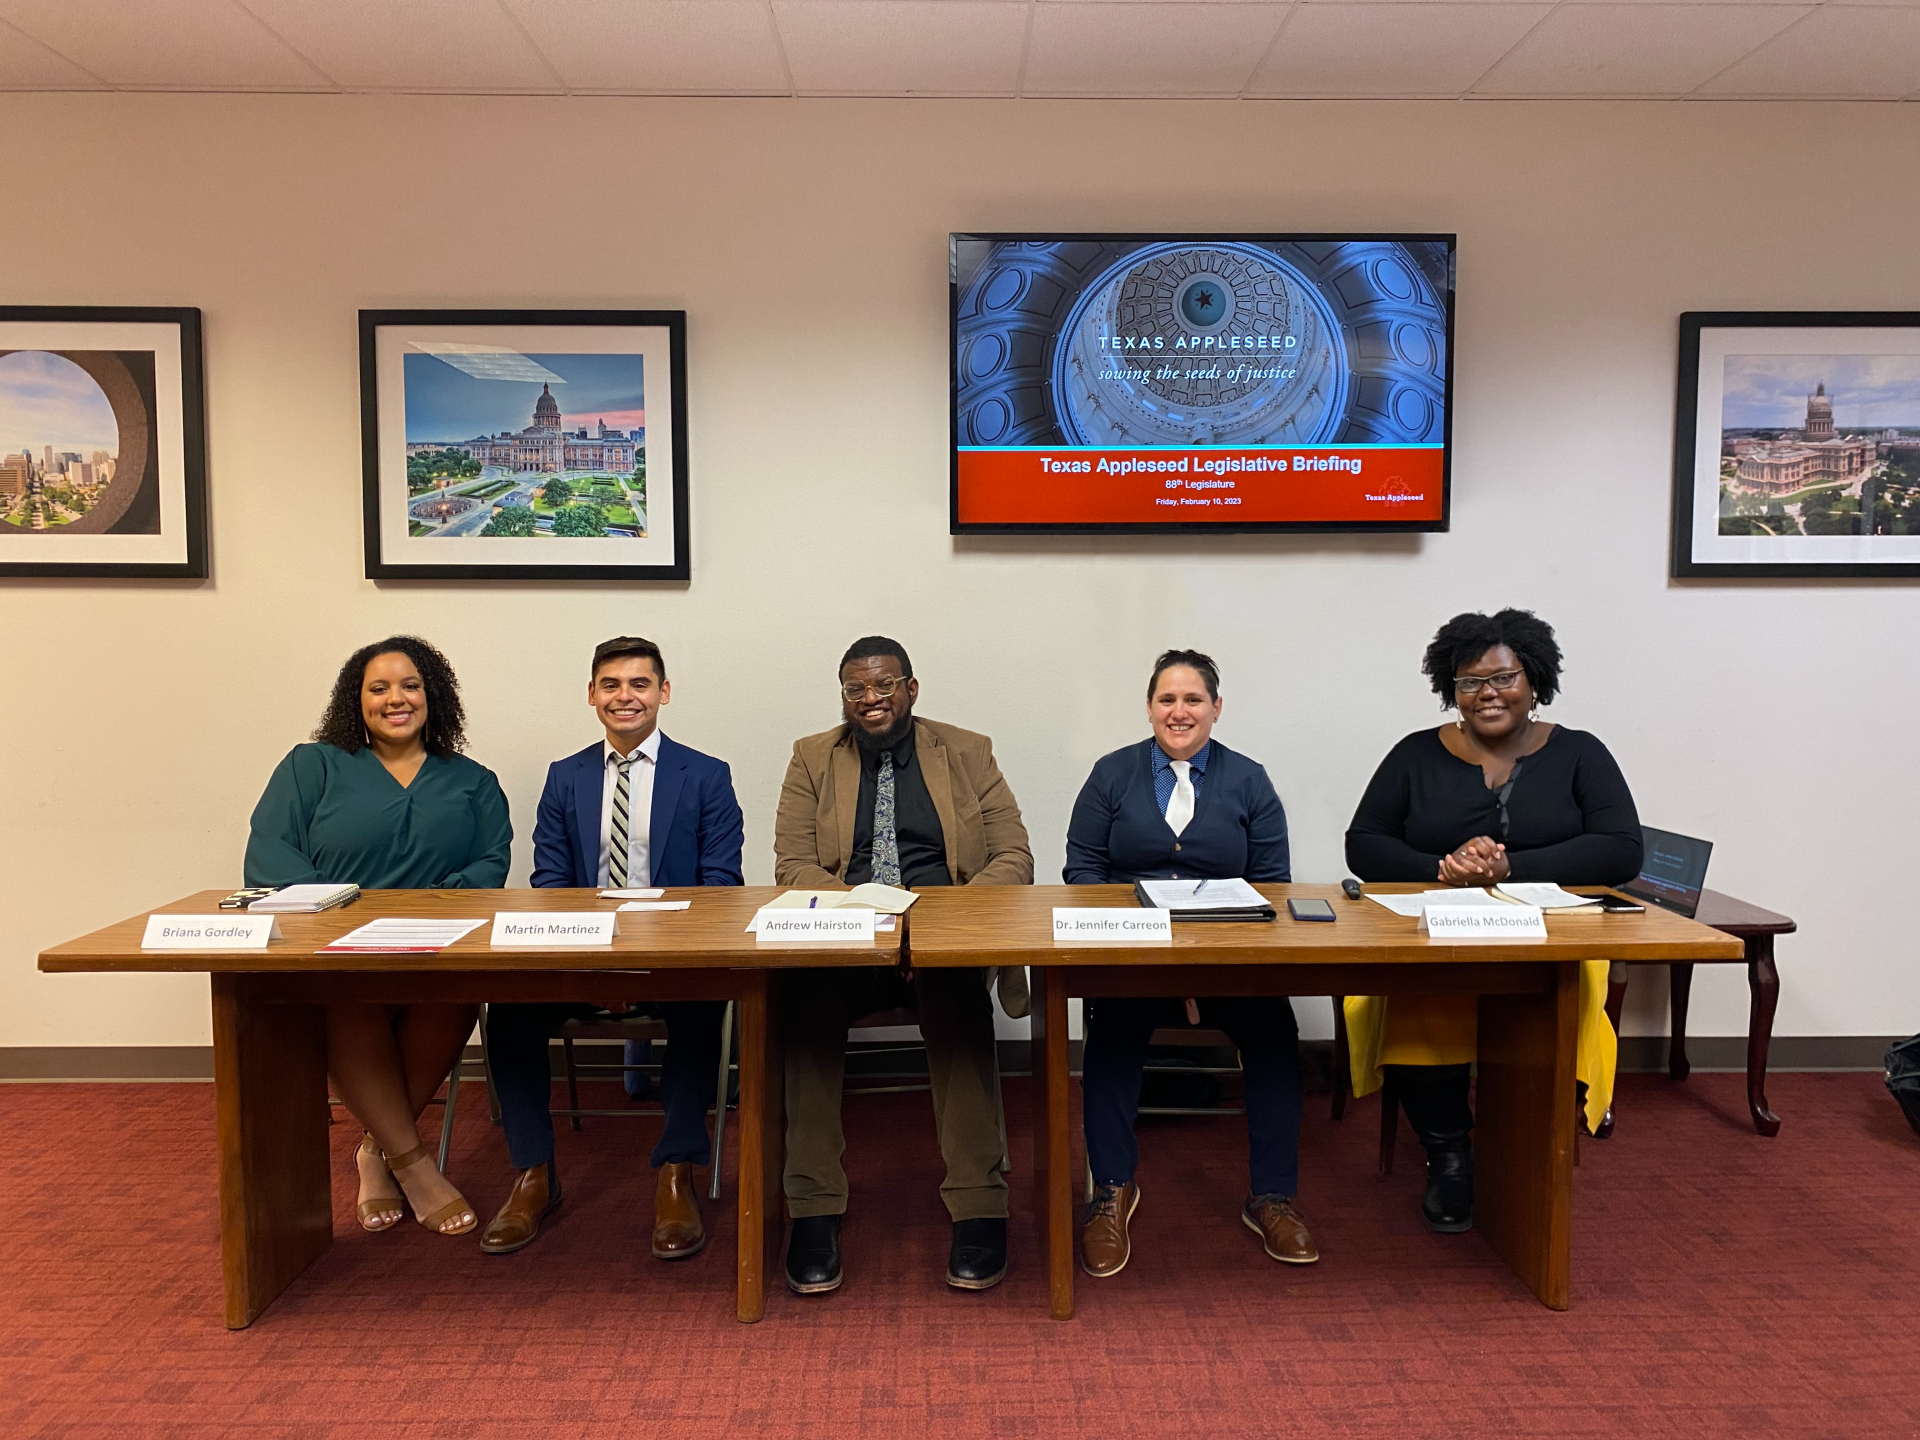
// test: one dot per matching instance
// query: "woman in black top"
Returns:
(1496, 795)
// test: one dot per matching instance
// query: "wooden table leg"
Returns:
(1523, 1184)
(270, 1100)
(763, 1142)
(1764, 981)
(1053, 1137)
(1680, 982)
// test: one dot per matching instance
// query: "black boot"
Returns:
(978, 1258)
(1435, 1100)
(1447, 1207)
(813, 1255)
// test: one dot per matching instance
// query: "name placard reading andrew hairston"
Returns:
(841, 923)
(1133, 927)
(548, 929)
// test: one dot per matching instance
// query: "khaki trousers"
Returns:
(956, 1019)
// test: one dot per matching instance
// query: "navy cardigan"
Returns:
(1118, 835)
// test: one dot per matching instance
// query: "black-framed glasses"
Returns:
(883, 687)
(1505, 680)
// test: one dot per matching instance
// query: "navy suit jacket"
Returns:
(1118, 835)
(694, 831)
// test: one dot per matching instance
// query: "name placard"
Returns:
(547, 929)
(1484, 922)
(1131, 926)
(848, 924)
(209, 932)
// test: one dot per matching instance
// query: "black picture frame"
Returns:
(956, 526)
(1697, 328)
(173, 444)
(677, 566)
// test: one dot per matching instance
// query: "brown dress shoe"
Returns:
(1104, 1247)
(535, 1195)
(1281, 1229)
(677, 1231)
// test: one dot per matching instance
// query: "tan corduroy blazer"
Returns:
(980, 819)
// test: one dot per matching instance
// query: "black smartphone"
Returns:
(1310, 910)
(1614, 905)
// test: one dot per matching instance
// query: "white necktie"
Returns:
(1180, 804)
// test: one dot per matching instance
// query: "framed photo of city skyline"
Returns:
(524, 444)
(103, 446)
(1797, 445)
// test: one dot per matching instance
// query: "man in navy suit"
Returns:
(636, 809)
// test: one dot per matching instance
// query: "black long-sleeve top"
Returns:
(1570, 816)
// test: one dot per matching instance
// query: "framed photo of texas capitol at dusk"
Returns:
(524, 444)
(1797, 445)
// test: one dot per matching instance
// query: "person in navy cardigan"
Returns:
(1176, 807)
(679, 825)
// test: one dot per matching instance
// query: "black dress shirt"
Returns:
(923, 844)
(1568, 815)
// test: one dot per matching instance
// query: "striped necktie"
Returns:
(621, 846)
(886, 835)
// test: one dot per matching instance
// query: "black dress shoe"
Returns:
(1447, 1207)
(813, 1255)
(978, 1259)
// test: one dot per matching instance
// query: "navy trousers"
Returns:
(1268, 1038)
(517, 1037)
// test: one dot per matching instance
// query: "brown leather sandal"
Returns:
(455, 1206)
(371, 1210)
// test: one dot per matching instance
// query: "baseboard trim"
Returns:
(1639, 1054)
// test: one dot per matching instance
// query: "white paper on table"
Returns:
(1410, 906)
(657, 904)
(887, 899)
(1544, 895)
(644, 893)
(405, 933)
(1461, 895)
(1202, 894)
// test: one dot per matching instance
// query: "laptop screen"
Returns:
(1672, 871)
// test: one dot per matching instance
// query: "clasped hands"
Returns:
(1481, 861)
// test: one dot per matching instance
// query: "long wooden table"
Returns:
(1528, 989)
(269, 1041)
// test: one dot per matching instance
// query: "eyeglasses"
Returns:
(1505, 680)
(883, 687)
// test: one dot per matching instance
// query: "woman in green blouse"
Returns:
(383, 799)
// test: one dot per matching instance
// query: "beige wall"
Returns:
(806, 240)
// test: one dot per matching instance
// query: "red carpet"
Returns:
(1724, 1285)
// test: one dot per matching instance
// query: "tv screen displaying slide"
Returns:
(1201, 382)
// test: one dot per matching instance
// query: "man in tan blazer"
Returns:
(889, 797)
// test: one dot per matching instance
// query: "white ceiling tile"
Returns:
(1383, 49)
(1633, 49)
(1147, 48)
(1837, 50)
(166, 44)
(415, 45)
(657, 47)
(895, 47)
(26, 64)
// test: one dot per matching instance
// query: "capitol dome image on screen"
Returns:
(1102, 341)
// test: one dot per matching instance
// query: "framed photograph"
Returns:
(524, 444)
(103, 443)
(1797, 445)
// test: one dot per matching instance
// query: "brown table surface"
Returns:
(1013, 925)
(711, 933)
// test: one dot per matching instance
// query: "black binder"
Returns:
(1239, 913)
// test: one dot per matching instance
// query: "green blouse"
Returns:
(333, 818)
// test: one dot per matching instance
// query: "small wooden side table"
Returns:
(1755, 928)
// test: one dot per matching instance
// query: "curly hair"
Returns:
(446, 730)
(1465, 638)
(1203, 664)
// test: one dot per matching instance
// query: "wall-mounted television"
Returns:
(1201, 382)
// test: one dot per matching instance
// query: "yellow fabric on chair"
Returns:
(1444, 1030)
